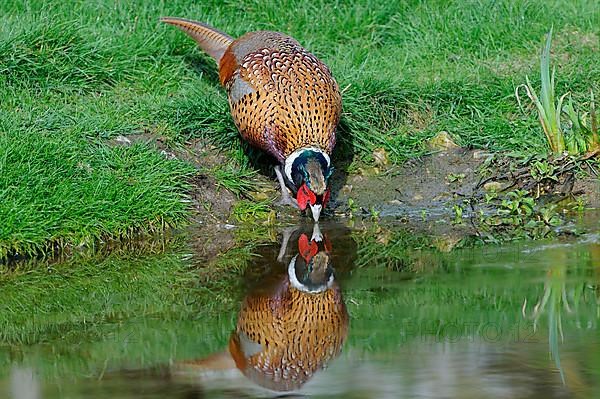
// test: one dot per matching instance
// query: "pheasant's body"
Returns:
(283, 101)
(281, 340)
(282, 97)
(289, 325)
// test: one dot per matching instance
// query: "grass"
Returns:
(549, 111)
(583, 135)
(238, 181)
(78, 74)
(58, 191)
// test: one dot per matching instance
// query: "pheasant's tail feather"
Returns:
(221, 361)
(211, 40)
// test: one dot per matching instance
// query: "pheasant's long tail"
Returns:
(211, 40)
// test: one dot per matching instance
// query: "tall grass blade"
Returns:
(595, 144)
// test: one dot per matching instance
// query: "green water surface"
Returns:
(518, 320)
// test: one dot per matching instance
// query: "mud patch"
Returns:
(432, 184)
(426, 184)
(210, 203)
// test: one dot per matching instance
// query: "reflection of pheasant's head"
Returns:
(310, 270)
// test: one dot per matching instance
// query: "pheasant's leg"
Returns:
(285, 195)
(286, 234)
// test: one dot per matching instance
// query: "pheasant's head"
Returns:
(310, 173)
(311, 270)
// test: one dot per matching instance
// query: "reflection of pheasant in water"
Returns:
(290, 330)
(283, 100)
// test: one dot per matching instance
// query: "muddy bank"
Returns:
(434, 186)
(441, 193)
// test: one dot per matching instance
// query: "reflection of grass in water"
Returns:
(554, 300)
(394, 249)
(452, 290)
(44, 302)
(133, 307)
(555, 296)
(98, 311)
(99, 314)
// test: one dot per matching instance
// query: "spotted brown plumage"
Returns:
(290, 330)
(290, 336)
(283, 100)
(282, 97)
(292, 323)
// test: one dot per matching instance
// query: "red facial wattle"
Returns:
(307, 249)
(305, 197)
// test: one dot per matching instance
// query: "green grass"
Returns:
(64, 190)
(76, 74)
(583, 135)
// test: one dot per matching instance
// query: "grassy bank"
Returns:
(77, 75)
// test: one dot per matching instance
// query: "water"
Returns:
(329, 313)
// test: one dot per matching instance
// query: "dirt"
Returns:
(422, 193)
(426, 184)
(437, 182)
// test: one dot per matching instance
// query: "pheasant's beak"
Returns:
(316, 211)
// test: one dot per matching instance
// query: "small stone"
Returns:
(168, 155)
(122, 140)
(380, 157)
(417, 197)
(481, 154)
(347, 189)
(496, 186)
(442, 141)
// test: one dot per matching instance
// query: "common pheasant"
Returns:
(286, 334)
(283, 100)
(290, 325)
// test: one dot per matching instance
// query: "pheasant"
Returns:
(291, 325)
(283, 337)
(283, 100)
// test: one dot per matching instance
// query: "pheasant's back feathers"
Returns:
(295, 101)
(282, 97)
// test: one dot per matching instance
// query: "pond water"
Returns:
(329, 312)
